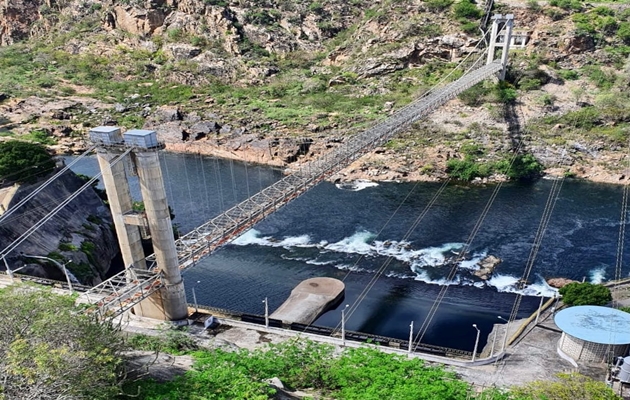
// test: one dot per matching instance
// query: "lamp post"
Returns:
(507, 325)
(343, 325)
(410, 337)
(58, 264)
(266, 312)
(476, 342)
(6, 264)
(195, 296)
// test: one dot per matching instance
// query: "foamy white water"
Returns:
(420, 261)
(597, 275)
(357, 185)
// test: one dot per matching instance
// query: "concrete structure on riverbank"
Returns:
(309, 300)
(170, 301)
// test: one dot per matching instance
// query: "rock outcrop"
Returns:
(81, 231)
(559, 282)
(17, 17)
(487, 267)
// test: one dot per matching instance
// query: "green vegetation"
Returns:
(67, 247)
(356, 374)
(48, 351)
(466, 9)
(23, 161)
(522, 167)
(172, 341)
(583, 294)
(569, 386)
(569, 5)
(438, 5)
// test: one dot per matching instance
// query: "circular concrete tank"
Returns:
(593, 333)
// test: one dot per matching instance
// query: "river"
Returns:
(360, 233)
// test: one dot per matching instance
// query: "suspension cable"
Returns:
(35, 192)
(434, 307)
(55, 210)
(623, 219)
(405, 237)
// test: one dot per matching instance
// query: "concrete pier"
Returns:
(309, 300)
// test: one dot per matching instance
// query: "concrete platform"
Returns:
(309, 300)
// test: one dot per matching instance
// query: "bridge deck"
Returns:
(113, 297)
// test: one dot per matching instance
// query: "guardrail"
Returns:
(331, 332)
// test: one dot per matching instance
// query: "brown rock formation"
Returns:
(559, 282)
(16, 19)
(488, 265)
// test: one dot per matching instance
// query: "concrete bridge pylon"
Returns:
(501, 35)
(169, 302)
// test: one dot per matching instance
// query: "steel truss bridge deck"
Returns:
(121, 292)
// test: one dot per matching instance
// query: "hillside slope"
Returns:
(279, 81)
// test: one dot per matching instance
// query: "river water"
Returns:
(362, 233)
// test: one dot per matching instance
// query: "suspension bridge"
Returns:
(126, 289)
(130, 287)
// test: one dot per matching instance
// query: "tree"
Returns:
(23, 161)
(525, 168)
(49, 351)
(570, 386)
(585, 294)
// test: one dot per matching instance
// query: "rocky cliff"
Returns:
(81, 232)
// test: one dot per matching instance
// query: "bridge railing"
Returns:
(120, 293)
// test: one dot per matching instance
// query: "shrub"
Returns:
(585, 294)
(571, 75)
(623, 32)
(262, 17)
(463, 170)
(569, 5)
(475, 96)
(525, 167)
(470, 28)
(438, 5)
(465, 9)
(529, 84)
(23, 161)
(601, 78)
(532, 5)
(50, 351)
(505, 92)
(571, 386)
(316, 7)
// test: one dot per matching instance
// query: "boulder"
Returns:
(166, 114)
(135, 20)
(559, 282)
(204, 128)
(374, 67)
(169, 132)
(487, 267)
(182, 51)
